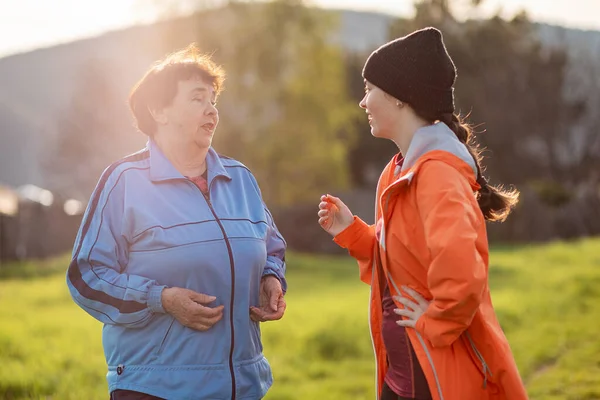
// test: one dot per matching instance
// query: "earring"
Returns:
(399, 104)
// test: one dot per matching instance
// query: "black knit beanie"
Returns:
(415, 69)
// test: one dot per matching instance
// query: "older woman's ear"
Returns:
(159, 115)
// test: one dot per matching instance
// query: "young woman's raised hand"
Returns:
(334, 215)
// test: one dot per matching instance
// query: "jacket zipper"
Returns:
(421, 341)
(373, 268)
(377, 388)
(485, 369)
(232, 267)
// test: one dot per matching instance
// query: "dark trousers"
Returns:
(131, 395)
(388, 394)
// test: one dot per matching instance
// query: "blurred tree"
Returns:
(584, 143)
(511, 83)
(286, 111)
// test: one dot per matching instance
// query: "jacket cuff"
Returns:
(352, 234)
(155, 300)
(437, 339)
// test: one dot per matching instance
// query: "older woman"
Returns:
(177, 254)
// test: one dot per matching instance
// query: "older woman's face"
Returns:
(193, 112)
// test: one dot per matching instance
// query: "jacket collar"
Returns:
(161, 169)
(436, 137)
(432, 142)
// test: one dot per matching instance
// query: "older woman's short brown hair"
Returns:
(158, 87)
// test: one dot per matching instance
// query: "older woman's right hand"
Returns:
(187, 307)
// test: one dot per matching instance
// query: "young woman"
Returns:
(433, 326)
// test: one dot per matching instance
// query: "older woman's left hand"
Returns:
(412, 310)
(272, 303)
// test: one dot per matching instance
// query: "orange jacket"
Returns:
(433, 240)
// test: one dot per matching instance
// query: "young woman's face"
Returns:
(382, 110)
(193, 112)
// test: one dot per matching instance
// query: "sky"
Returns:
(29, 24)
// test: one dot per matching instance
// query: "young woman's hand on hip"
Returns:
(334, 215)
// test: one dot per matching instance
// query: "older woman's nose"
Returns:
(211, 110)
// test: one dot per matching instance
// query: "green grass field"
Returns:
(547, 298)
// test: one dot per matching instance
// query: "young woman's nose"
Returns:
(363, 102)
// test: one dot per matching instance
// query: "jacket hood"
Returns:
(439, 142)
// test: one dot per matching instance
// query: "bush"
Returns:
(552, 193)
(337, 341)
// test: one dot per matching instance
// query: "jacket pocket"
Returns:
(256, 336)
(162, 343)
(478, 359)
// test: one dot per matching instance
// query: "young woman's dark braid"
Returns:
(495, 202)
